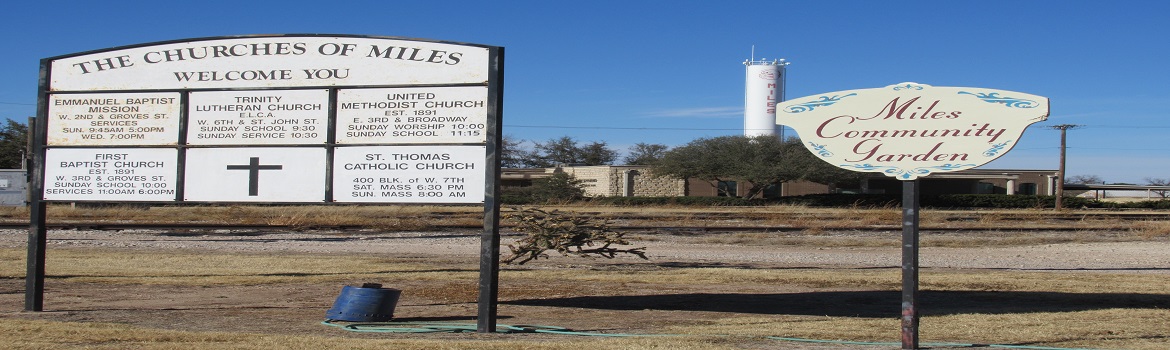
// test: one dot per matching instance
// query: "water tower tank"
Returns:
(764, 88)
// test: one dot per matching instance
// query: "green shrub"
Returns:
(515, 195)
(559, 188)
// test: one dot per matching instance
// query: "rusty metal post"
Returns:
(910, 215)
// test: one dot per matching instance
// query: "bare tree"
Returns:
(597, 153)
(512, 152)
(13, 141)
(1085, 179)
(645, 153)
(565, 150)
(1154, 181)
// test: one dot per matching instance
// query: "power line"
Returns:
(616, 128)
(738, 129)
(1125, 127)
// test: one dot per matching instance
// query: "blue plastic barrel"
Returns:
(364, 304)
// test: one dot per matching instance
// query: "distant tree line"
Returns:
(13, 144)
(760, 162)
(569, 151)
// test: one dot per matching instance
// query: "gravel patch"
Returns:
(1135, 257)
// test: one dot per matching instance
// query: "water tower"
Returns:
(764, 88)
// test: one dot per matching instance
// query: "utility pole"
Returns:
(1060, 173)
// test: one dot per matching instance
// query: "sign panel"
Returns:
(272, 61)
(111, 174)
(268, 117)
(409, 174)
(912, 130)
(114, 119)
(412, 115)
(270, 174)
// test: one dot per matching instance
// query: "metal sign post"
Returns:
(489, 253)
(910, 217)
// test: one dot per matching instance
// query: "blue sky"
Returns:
(669, 72)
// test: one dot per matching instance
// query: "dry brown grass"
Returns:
(20, 334)
(821, 227)
(1092, 326)
(1150, 229)
(387, 217)
(200, 269)
(410, 217)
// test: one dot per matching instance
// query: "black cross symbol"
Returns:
(254, 169)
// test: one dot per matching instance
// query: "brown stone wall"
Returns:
(605, 180)
(646, 184)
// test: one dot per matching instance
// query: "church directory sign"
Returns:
(311, 119)
(912, 130)
(273, 119)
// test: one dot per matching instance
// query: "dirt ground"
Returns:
(299, 308)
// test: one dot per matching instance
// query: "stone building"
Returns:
(974, 181)
(623, 181)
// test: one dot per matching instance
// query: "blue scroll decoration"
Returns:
(994, 97)
(821, 150)
(822, 102)
(908, 87)
(906, 174)
(991, 152)
(892, 170)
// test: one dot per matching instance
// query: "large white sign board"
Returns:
(912, 130)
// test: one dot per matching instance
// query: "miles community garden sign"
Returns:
(271, 119)
(912, 130)
(908, 131)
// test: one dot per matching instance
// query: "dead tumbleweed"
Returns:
(566, 233)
